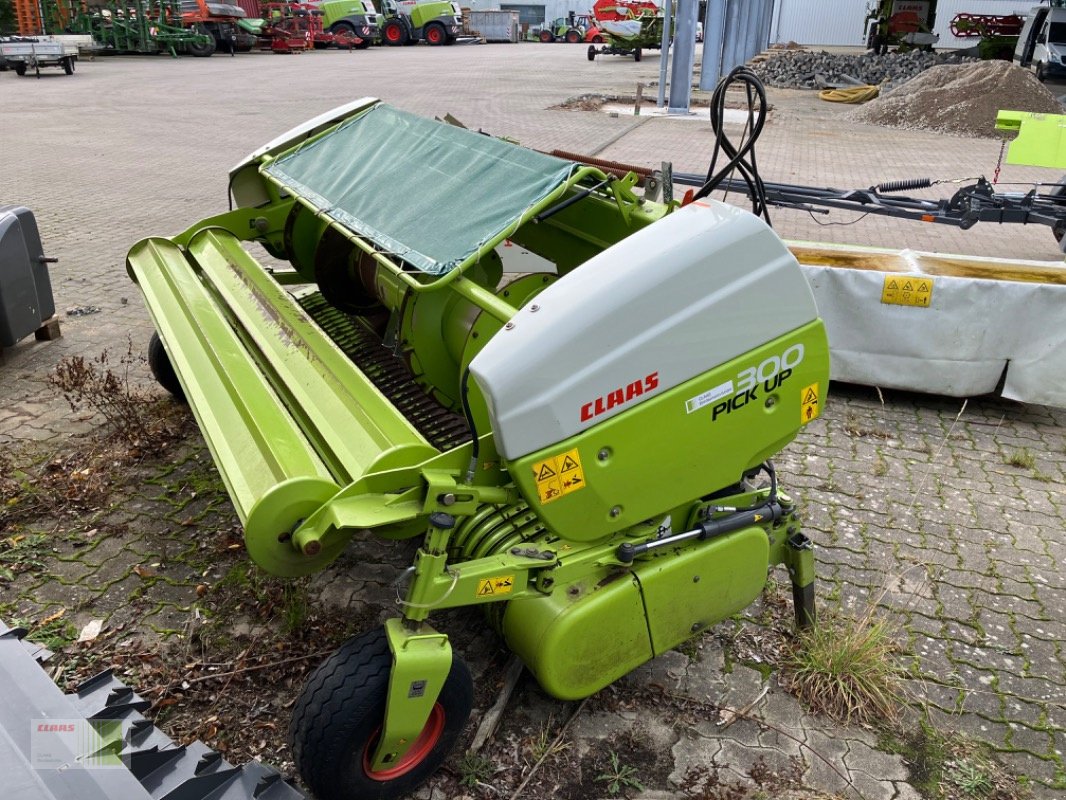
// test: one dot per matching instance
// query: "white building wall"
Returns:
(842, 22)
(819, 22)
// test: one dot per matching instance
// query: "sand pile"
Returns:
(962, 99)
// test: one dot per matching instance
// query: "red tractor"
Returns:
(219, 21)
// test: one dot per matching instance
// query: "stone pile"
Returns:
(961, 99)
(806, 69)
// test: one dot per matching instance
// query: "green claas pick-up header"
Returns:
(580, 435)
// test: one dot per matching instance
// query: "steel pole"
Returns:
(684, 57)
(665, 57)
(713, 42)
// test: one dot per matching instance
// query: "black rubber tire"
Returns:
(20, 68)
(636, 54)
(1041, 73)
(547, 37)
(401, 37)
(340, 711)
(202, 50)
(592, 53)
(343, 27)
(435, 34)
(597, 39)
(573, 37)
(68, 65)
(162, 369)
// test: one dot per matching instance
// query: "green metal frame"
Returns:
(133, 26)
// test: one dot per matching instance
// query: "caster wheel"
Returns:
(162, 369)
(338, 717)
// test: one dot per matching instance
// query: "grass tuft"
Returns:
(846, 669)
(475, 770)
(1022, 458)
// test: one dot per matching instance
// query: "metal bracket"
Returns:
(420, 664)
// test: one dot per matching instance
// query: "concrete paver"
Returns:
(911, 500)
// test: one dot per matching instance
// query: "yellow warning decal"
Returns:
(494, 586)
(810, 408)
(907, 290)
(558, 476)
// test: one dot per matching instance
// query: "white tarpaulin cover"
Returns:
(980, 321)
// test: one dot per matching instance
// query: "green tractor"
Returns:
(410, 21)
(571, 29)
(353, 18)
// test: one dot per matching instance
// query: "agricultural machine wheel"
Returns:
(435, 34)
(20, 69)
(1041, 73)
(592, 53)
(68, 66)
(202, 49)
(342, 29)
(636, 54)
(394, 33)
(337, 720)
(597, 39)
(547, 36)
(573, 37)
(162, 369)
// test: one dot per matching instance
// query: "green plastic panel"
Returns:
(285, 413)
(353, 427)
(254, 441)
(428, 193)
(682, 444)
(1041, 140)
(577, 643)
(690, 589)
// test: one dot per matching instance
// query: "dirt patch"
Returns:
(962, 99)
(596, 102)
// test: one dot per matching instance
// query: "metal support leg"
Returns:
(801, 570)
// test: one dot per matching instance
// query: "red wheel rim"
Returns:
(434, 35)
(417, 753)
(393, 33)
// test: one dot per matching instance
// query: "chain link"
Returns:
(999, 161)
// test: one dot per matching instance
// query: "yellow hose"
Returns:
(857, 94)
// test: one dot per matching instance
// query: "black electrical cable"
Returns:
(828, 224)
(464, 398)
(741, 157)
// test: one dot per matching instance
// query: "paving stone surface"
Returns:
(925, 506)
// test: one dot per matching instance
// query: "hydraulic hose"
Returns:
(853, 94)
(741, 156)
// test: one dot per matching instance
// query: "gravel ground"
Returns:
(960, 99)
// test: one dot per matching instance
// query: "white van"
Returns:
(1042, 44)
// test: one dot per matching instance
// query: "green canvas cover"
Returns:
(429, 193)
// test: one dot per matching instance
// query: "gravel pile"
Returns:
(962, 99)
(810, 70)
